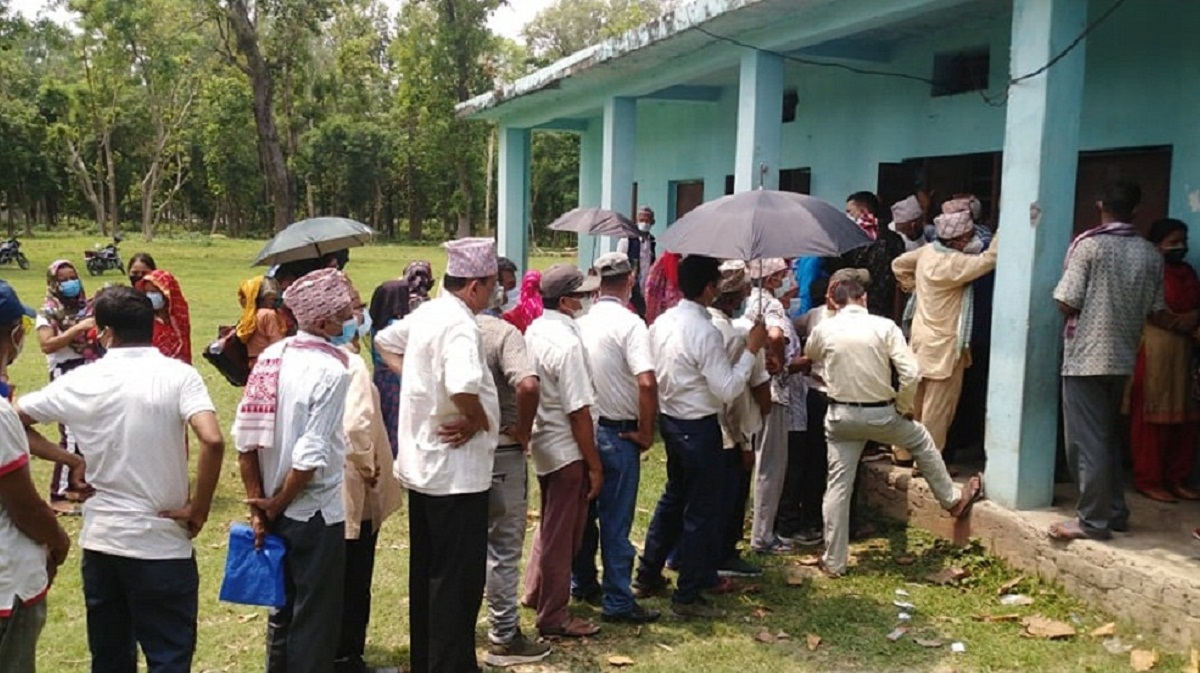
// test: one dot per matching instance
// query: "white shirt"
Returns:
(695, 378)
(645, 255)
(443, 357)
(909, 244)
(309, 432)
(618, 348)
(129, 411)
(742, 418)
(64, 354)
(860, 351)
(22, 561)
(561, 362)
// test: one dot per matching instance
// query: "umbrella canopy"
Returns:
(313, 238)
(764, 223)
(596, 222)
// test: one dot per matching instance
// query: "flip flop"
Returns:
(574, 628)
(972, 495)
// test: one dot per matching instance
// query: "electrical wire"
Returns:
(994, 101)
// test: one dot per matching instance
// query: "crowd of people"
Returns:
(768, 381)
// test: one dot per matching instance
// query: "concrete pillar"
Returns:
(759, 117)
(1041, 155)
(512, 227)
(591, 152)
(618, 154)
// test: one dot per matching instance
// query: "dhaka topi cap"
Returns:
(953, 225)
(964, 204)
(733, 277)
(907, 210)
(321, 294)
(764, 268)
(471, 257)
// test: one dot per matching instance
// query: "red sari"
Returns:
(172, 334)
(1163, 413)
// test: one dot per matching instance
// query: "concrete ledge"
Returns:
(1149, 577)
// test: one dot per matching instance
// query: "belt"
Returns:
(630, 426)
(509, 447)
(865, 405)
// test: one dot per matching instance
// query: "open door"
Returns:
(1149, 167)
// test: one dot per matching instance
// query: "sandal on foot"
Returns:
(574, 628)
(970, 496)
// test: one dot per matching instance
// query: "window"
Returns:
(797, 180)
(790, 100)
(961, 71)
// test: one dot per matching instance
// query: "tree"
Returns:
(568, 26)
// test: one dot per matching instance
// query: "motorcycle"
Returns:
(102, 259)
(10, 251)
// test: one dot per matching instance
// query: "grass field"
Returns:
(851, 616)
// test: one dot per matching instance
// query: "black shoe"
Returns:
(738, 567)
(636, 615)
(593, 597)
(648, 588)
(699, 609)
(806, 538)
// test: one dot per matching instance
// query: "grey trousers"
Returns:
(848, 429)
(19, 633)
(770, 473)
(508, 502)
(1091, 416)
(302, 636)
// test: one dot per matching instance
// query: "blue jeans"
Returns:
(693, 510)
(133, 602)
(613, 511)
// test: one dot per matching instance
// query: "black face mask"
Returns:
(1175, 255)
(133, 280)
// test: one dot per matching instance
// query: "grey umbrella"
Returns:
(764, 223)
(313, 238)
(595, 222)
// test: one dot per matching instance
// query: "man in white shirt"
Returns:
(740, 419)
(695, 382)
(292, 463)
(618, 349)
(130, 411)
(449, 427)
(563, 447)
(32, 543)
(859, 352)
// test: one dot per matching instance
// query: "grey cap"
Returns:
(612, 264)
(561, 280)
(862, 276)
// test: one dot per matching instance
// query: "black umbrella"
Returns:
(313, 238)
(764, 223)
(596, 222)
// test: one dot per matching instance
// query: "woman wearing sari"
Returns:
(262, 322)
(662, 286)
(529, 304)
(390, 302)
(172, 320)
(66, 334)
(1163, 411)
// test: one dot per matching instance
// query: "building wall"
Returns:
(1142, 89)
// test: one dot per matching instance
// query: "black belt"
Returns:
(510, 447)
(628, 426)
(864, 405)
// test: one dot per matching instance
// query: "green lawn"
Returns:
(852, 616)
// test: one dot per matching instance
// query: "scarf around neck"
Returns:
(1122, 229)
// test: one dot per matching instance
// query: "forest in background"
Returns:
(237, 117)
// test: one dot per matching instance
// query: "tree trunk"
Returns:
(487, 199)
(279, 183)
(110, 166)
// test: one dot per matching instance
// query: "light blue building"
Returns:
(695, 105)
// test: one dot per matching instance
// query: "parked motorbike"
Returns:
(10, 251)
(102, 259)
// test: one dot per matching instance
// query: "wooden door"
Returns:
(1149, 167)
(688, 195)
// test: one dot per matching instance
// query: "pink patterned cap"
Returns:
(907, 210)
(321, 294)
(471, 257)
(953, 225)
(964, 204)
(766, 267)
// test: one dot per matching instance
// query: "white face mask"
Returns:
(585, 305)
(788, 284)
(156, 300)
(974, 247)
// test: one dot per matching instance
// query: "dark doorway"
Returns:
(1149, 167)
(796, 180)
(685, 196)
(942, 178)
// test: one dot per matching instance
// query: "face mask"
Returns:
(156, 300)
(1175, 255)
(788, 284)
(70, 288)
(133, 280)
(349, 330)
(499, 296)
(644, 226)
(974, 247)
(365, 328)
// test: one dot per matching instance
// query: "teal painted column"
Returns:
(1041, 155)
(618, 154)
(512, 202)
(759, 117)
(591, 153)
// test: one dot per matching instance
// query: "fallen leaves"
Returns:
(947, 576)
(797, 576)
(813, 641)
(1143, 660)
(1037, 626)
(905, 560)
(249, 616)
(1010, 586)
(1105, 631)
(931, 643)
(620, 660)
(1013, 617)
(764, 635)
(760, 612)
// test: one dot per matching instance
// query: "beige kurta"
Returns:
(368, 455)
(940, 279)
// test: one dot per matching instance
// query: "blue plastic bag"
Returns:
(253, 576)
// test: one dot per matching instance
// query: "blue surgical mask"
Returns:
(364, 330)
(70, 288)
(349, 330)
(156, 300)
